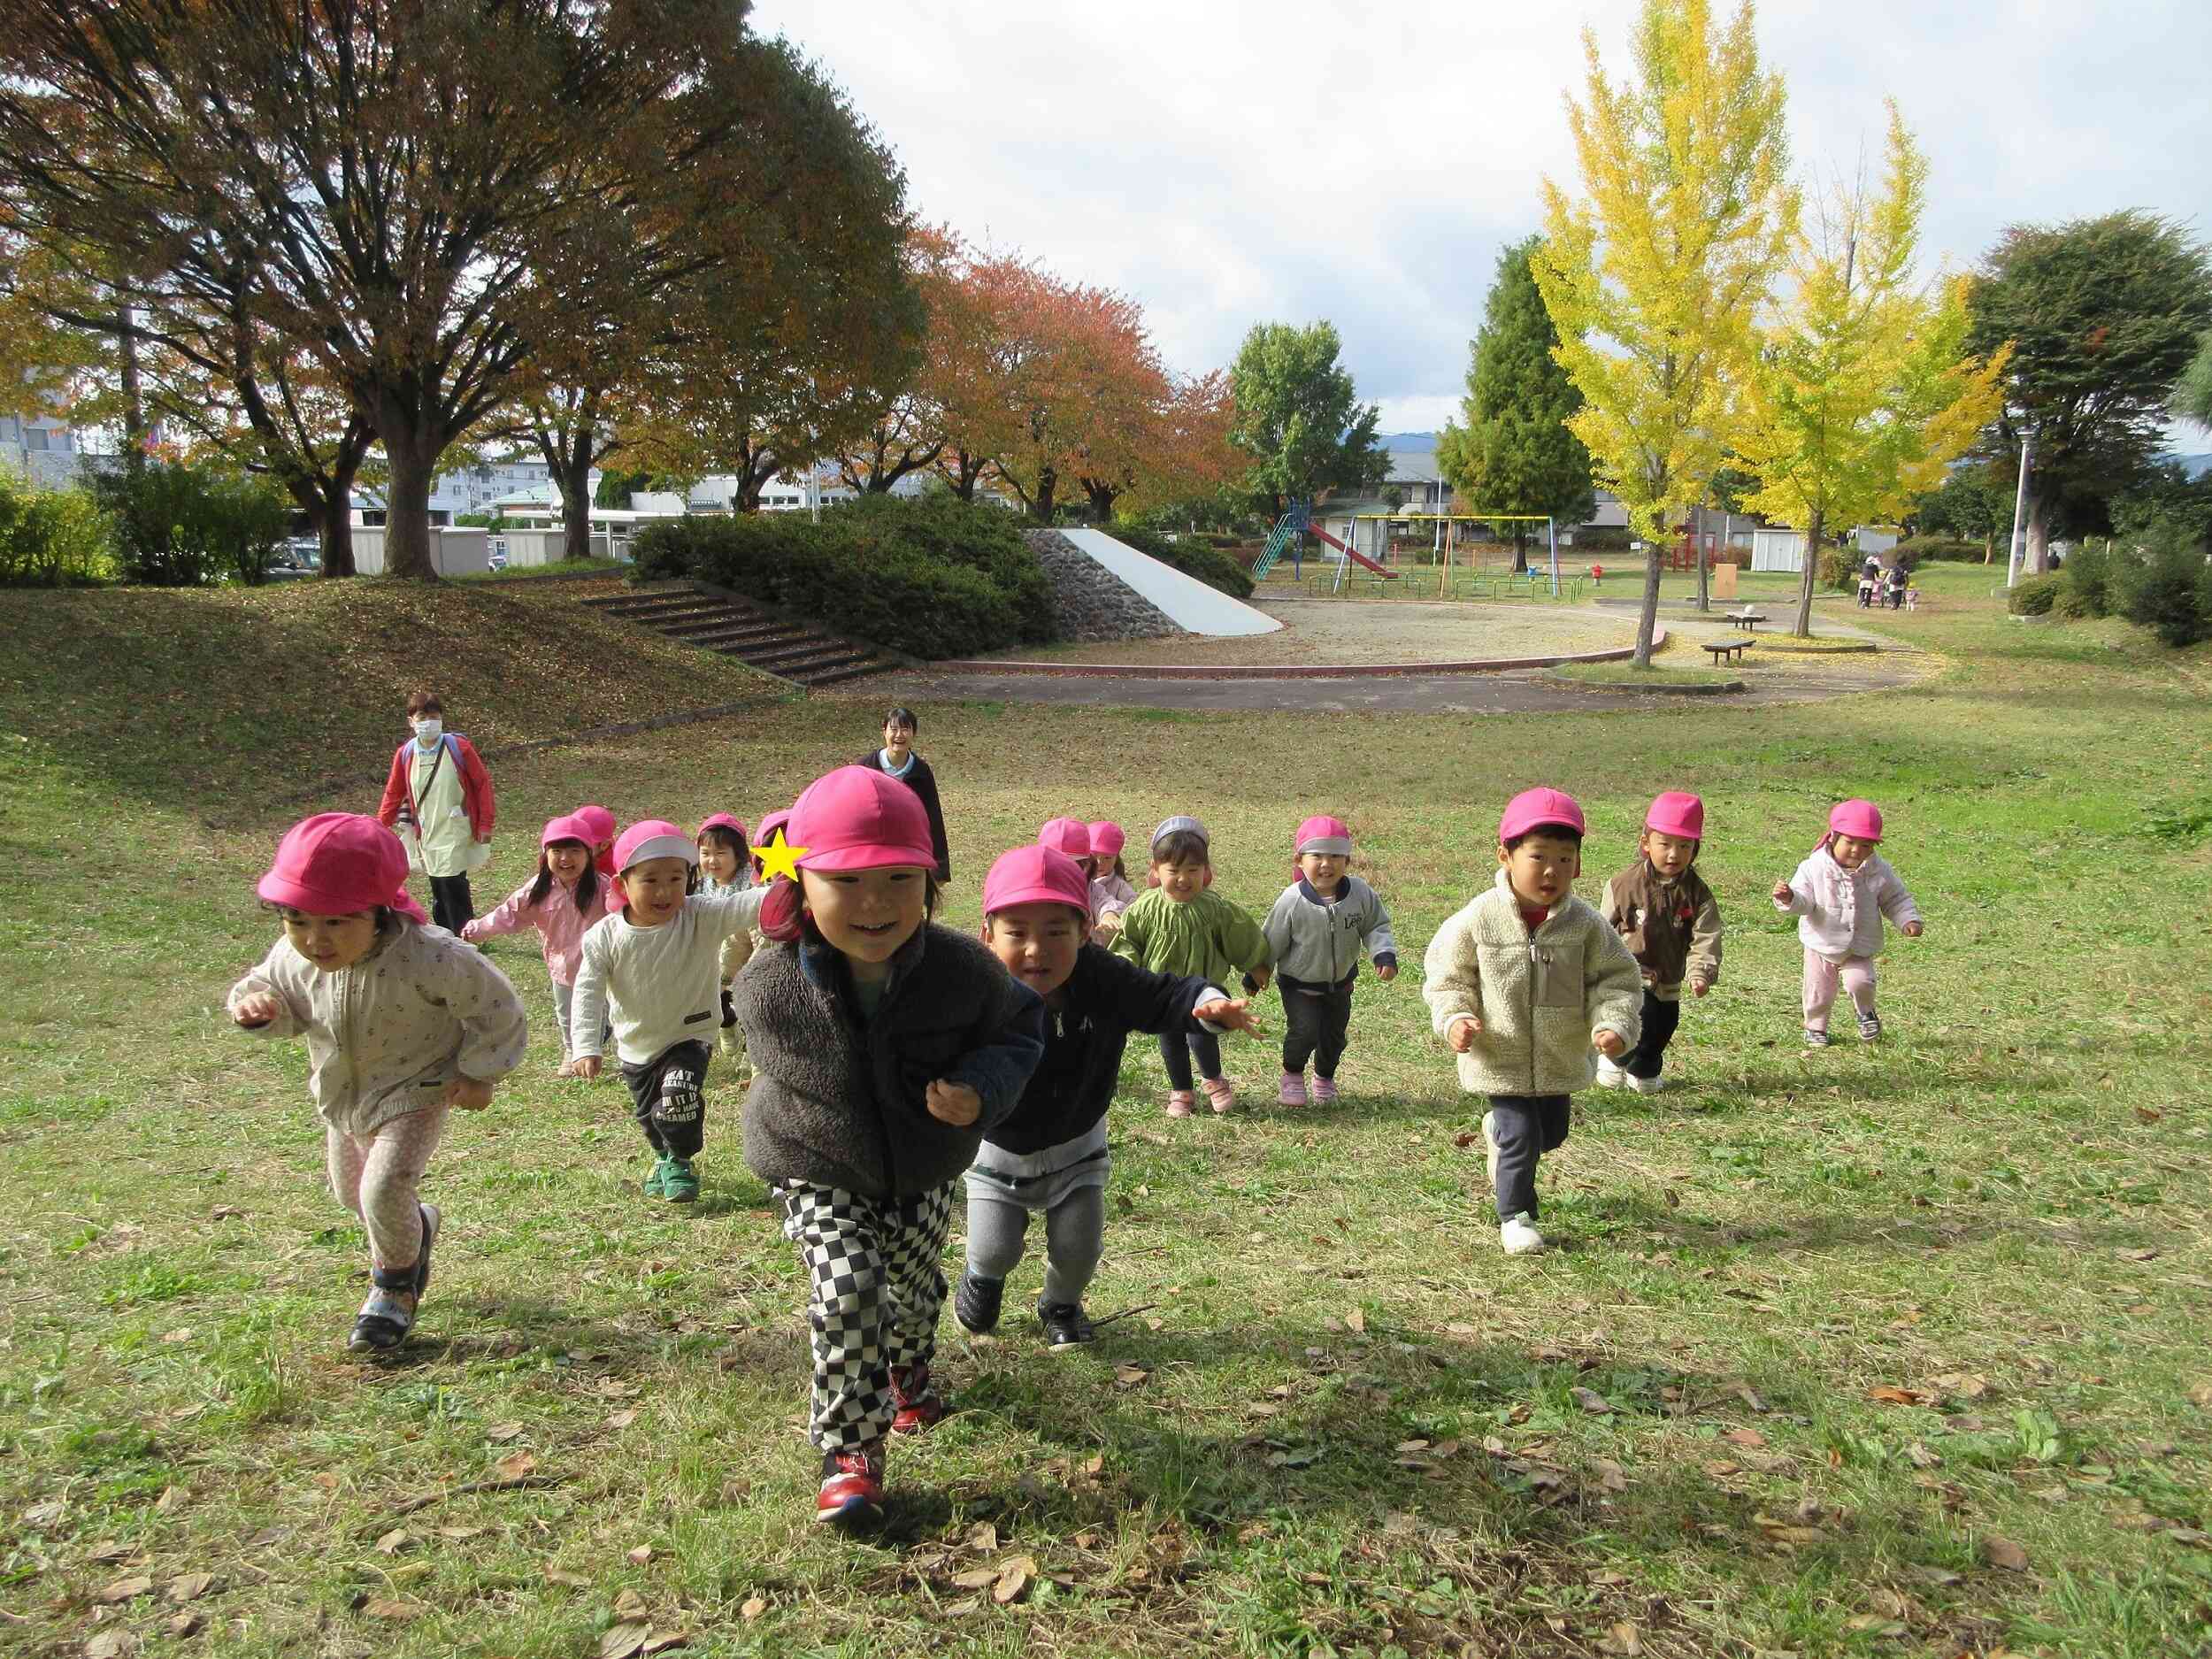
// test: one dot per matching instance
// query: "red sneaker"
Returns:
(917, 1405)
(852, 1487)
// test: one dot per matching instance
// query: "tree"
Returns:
(384, 185)
(1968, 503)
(2193, 393)
(1515, 454)
(1299, 417)
(1652, 281)
(1862, 394)
(2104, 316)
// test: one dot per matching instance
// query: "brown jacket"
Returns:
(1673, 928)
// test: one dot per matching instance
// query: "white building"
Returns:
(470, 489)
(46, 449)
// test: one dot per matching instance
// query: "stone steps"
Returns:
(793, 651)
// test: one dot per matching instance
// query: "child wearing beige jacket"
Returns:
(1525, 982)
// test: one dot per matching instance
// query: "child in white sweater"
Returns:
(1840, 896)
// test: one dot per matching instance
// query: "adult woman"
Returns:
(441, 790)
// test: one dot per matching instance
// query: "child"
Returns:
(402, 1025)
(653, 966)
(1523, 981)
(884, 1047)
(897, 759)
(1110, 892)
(1866, 588)
(440, 788)
(1051, 1157)
(1912, 593)
(725, 865)
(1893, 587)
(563, 899)
(1179, 926)
(1840, 896)
(772, 824)
(1317, 931)
(1071, 836)
(598, 824)
(1670, 923)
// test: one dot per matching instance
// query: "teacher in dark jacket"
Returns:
(897, 759)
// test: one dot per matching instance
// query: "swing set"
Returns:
(1449, 543)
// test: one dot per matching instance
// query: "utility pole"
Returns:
(2019, 507)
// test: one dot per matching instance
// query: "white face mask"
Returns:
(428, 729)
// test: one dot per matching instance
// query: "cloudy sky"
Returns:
(1227, 162)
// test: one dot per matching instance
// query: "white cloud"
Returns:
(1232, 163)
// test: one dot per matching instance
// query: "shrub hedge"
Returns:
(2033, 595)
(934, 577)
(1192, 557)
(52, 538)
(1927, 549)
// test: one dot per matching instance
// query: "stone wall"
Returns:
(1090, 601)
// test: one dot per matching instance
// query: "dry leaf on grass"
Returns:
(2002, 1552)
(755, 1606)
(500, 1433)
(108, 1551)
(623, 1640)
(561, 1575)
(396, 1612)
(393, 1541)
(622, 1419)
(643, 1554)
(189, 1624)
(1744, 1437)
(983, 1536)
(1356, 1320)
(1892, 1396)
(1623, 1639)
(974, 1577)
(662, 1641)
(1959, 1385)
(629, 1606)
(1612, 1476)
(123, 1590)
(1129, 1376)
(1595, 1403)
(1013, 1579)
(112, 1644)
(514, 1465)
(190, 1586)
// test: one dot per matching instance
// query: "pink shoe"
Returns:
(1180, 1100)
(1324, 1090)
(1292, 1092)
(1220, 1094)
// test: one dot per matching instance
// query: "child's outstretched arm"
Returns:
(1613, 995)
(1382, 944)
(728, 913)
(588, 1009)
(1452, 984)
(512, 915)
(1004, 1047)
(259, 1003)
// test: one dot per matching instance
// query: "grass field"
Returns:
(1893, 1349)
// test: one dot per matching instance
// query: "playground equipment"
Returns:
(1291, 529)
(1450, 550)
(1288, 534)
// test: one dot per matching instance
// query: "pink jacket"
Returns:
(1840, 911)
(561, 926)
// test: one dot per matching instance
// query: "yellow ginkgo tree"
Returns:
(1654, 278)
(1862, 392)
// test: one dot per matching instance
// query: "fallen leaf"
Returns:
(396, 1612)
(1014, 1579)
(643, 1554)
(2145, 1254)
(1465, 1137)
(629, 1606)
(1611, 1476)
(1920, 1457)
(190, 1586)
(2200, 1394)
(623, 1640)
(2144, 1114)
(112, 1644)
(662, 1641)
(561, 1575)
(983, 1536)
(975, 1577)
(1129, 1376)
(1356, 1320)
(109, 1551)
(1960, 1385)
(622, 1419)
(755, 1606)
(173, 1499)
(1624, 1639)
(457, 1533)
(1744, 1437)
(231, 1212)
(1750, 1397)
(1892, 1396)
(189, 1624)
(515, 1465)
(500, 1433)
(614, 1388)
(1874, 1624)
(123, 1590)
(393, 1541)
(2002, 1552)
(1596, 1404)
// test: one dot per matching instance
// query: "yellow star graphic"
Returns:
(780, 857)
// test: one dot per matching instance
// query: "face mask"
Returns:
(428, 731)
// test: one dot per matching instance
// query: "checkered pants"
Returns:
(873, 1302)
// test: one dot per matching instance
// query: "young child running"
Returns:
(1071, 836)
(1839, 895)
(1317, 931)
(597, 823)
(1051, 1157)
(402, 1024)
(561, 902)
(1179, 927)
(653, 967)
(725, 865)
(1522, 982)
(1670, 923)
(1110, 891)
(884, 1047)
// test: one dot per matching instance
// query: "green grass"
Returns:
(2001, 1209)
(1629, 674)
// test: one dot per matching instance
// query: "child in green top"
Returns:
(1181, 927)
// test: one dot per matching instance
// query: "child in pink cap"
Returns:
(1839, 895)
(1318, 929)
(403, 1024)
(884, 1048)
(1111, 893)
(725, 865)
(1670, 923)
(561, 902)
(1049, 1158)
(652, 969)
(1524, 982)
(596, 822)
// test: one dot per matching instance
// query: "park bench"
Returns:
(1747, 619)
(1727, 651)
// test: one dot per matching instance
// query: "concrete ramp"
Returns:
(1187, 602)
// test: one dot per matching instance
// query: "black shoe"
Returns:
(976, 1303)
(1066, 1327)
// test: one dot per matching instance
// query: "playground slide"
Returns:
(1353, 553)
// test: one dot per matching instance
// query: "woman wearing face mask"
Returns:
(439, 791)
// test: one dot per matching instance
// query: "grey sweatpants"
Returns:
(1073, 1204)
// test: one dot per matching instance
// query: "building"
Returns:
(473, 489)
(47, 450)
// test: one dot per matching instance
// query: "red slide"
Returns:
(1352, 554)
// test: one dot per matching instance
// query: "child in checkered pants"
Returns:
(883, 1049)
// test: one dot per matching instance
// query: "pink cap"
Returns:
(1036, 875)
(1322, 833)
(1861, 820)
(1069, 835)
(1676, 813)
(723, 820)
(654, 838)
(856, 818)
(770, 822)
(1107, 840)
(596, 822)
(1533, 808)
(337, 864)
(565, 829)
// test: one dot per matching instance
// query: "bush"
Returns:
(1191, 557)
(1927, 550)
(2167, 586)
(54, 538)
(2032, 595)
(1840, 567)
(932, 578)
(178, 526)
(2084, 583)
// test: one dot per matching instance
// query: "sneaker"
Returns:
(1816, 1038)
(976, 1302)
(1609, 1075)
(1870, 1027)
(1066, 1327)
(654, 1177)
(1324, 1090)
(1292, 1092)
(1490, 1149)
(1220, 1092)
(1518, 1235)
(384, 1321)
(1648, 1084)
(852, 1487)
(914, 1404)
(679, 1182)
(1180, 1100)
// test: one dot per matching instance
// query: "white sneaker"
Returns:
(1518, 1235)
(1648, 1084)
(1610, 1076)
(1490, 1150)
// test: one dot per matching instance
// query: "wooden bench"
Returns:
(1748, 620)
(1727, 651)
